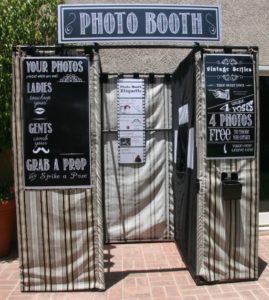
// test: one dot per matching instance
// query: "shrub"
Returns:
(22, 22)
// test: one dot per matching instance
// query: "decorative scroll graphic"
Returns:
(230, 106)
(123, 22)
(70, 78)
(131, 121)
(228, 77)
(56, 122)
(227, 61)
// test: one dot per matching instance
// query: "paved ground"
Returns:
(146, 271)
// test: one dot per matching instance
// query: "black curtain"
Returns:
(184, 177)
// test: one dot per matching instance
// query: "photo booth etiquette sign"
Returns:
(89, 23)
(230, 106)
(131, 120)
(56, 122)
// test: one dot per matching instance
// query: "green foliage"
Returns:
(6, 193)
(22, 22)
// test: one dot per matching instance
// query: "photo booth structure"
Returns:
(195, 184)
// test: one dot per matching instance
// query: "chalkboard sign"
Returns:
(56, 122)
(230, 106)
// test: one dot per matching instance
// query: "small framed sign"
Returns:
(230, 106)
(131, 121)
(56, 122)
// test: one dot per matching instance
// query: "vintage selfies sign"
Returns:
(230, 106)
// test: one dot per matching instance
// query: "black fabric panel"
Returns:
(182, 148)
(183, 89)
(184, 179)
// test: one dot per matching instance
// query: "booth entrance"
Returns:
(138, 198)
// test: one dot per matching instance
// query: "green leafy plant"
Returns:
(22, 22)
(6, 193)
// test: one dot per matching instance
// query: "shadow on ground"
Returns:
(261, 266)
(13, 254)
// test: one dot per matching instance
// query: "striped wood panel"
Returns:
(227, 230)
(59, 231)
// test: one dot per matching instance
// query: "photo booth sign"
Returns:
(230, 106)
(56, 122)
(88, 23)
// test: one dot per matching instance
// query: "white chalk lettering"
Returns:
(196, 22)
(37, 128)
(112, 23)
(236, 120)
(74, 164)
(67, 66)
(109, 23)
(38, 66)
(173, 23)
(56, 165)
(37, 164)
(74, 175)
(39, 87)
(44, 176)
(217, 134)
(132, 23)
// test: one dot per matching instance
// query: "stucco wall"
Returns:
(244, 23)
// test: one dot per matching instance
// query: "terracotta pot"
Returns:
(7, 225)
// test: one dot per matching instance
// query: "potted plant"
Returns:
(7, 218)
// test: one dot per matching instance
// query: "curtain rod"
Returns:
(158, 46)
(155, 46)
(134, 73)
